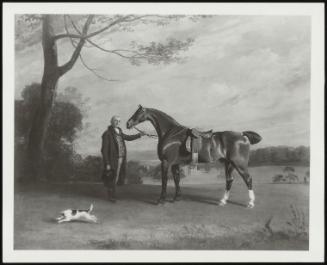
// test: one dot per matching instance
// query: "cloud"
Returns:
(242, 73)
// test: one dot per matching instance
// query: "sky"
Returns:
(241, 73)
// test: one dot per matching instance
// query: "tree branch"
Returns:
(117, 21)
(76, 36)
(76, 29)
(153, 53)
(99, 47)
(80, 55)
(94, 72)
(67, 66)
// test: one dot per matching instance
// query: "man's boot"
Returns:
(111, 195)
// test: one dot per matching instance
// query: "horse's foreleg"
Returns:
(164, 179)
(229, 181)
(176, 175)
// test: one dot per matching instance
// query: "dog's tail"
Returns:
(91, 208)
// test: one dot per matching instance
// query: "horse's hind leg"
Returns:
(243, 171)
(229, 181)
(176, 175)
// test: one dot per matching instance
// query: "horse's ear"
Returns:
(141, 107)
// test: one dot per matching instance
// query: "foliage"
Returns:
(65, 122)
(28, 33)
(155, 172)
(135, 171)
(297, 223)
(295, 228)
(87, 169)
(278, 178)
(288, 169)
(66, 117)
(287, 176)
(90, 169)
(280, 155)
(306, 178)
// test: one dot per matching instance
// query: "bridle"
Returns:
(147, 134)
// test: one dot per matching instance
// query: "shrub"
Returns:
(65, 121)
(155, 172)
(288, 169)
(306, 178)
(278, 178)
(88, 169)
(292, 177)
(135, 171)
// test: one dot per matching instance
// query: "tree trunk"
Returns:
(51, 74)
(35, 149)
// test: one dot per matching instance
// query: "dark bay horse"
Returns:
(228, 147)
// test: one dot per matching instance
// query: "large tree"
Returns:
(81, 31)
(65, 122)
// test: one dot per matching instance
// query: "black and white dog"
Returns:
(77, 215)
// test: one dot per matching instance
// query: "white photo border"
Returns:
(317, 141)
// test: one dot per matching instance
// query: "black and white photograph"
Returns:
(163, 130)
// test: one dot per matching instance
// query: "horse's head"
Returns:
(138, 117)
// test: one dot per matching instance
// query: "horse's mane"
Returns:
(165, 115)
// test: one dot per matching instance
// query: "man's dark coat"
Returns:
(109, 150)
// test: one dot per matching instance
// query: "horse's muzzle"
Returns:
(129, 124)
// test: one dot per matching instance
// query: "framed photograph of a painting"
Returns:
(147, 132)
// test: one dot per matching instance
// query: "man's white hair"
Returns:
(115, 117)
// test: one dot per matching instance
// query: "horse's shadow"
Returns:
(50, 220)
(200, 199)
(150, 194)
(237, 203)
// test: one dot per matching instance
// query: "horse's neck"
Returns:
(162, 123)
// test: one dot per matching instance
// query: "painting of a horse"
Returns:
(228, 147)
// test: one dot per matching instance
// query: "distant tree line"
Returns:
(280, 155)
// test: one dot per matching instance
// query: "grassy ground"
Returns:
(136, 222)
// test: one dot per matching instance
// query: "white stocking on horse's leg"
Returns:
(229, 181)
(176, 175)
(248, 181)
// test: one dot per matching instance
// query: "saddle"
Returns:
(194, 142)
(194, 133)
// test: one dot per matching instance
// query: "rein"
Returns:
(147, 134)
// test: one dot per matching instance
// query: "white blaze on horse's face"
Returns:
(138, 117)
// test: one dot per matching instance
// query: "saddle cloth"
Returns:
(194, 143)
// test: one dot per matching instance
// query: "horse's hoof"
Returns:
(250, 205)
(222, 203)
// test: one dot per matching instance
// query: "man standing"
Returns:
(114, 156)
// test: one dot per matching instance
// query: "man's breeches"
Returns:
(120, 162)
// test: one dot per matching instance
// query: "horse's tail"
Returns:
(253, 137)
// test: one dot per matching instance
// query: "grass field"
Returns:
(195, 222)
